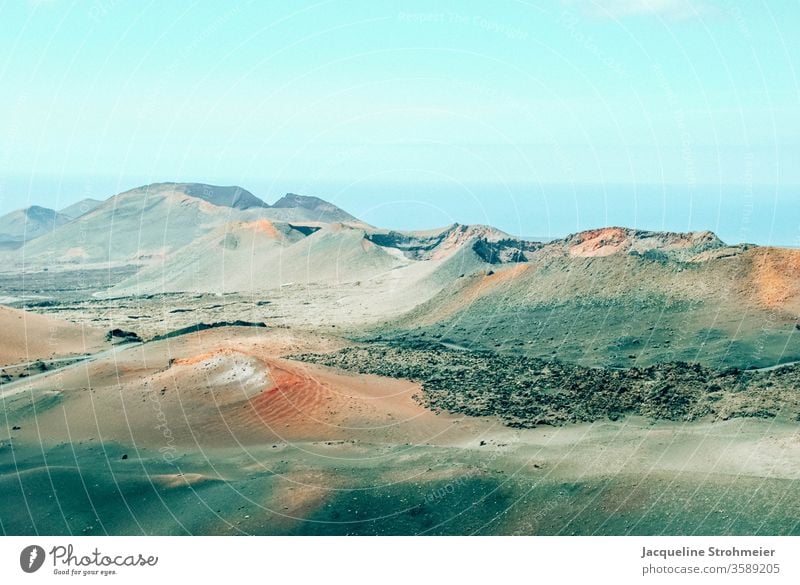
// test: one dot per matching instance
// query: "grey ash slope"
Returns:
(264, 254)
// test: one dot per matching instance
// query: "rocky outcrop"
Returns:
(490, 244)
(651, 245)
(506, 251)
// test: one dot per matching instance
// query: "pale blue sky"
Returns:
(101, 95)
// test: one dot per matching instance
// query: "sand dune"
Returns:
(221, 388)
(25, 337)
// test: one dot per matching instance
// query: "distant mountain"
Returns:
(27, 224)
(234, 197)
(622, 297)
(605, 297)
(147, 224)
(263, 254)
(292, 207)
(80, 208)
(140, 225)
(610, 296)
(289, 207)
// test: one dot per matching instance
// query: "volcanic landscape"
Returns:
(186, 359)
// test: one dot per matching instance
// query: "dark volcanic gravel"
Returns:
(526, 391)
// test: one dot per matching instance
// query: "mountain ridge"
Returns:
(594, 241)
(80, 208)
(148, 222)
(28, 223)
(599, 296)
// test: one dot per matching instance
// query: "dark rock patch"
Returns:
(120, 336)
(527, 392)
(204, 326)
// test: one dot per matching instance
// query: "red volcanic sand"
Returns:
(776, 278)
(599, 243)
(263, 226)
(27, 337)
(315, 403)
(226, 388)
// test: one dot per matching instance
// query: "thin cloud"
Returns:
(677, 9)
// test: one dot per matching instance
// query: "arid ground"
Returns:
(241, 368)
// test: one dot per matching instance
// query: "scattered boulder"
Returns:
(120, 336)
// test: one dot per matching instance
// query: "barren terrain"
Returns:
(187, 359)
